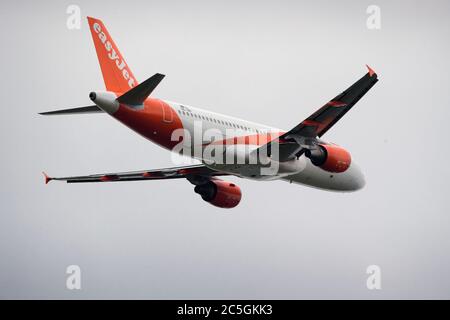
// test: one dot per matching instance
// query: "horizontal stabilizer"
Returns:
(80, 110)
(138, 94)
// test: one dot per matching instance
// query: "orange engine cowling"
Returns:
(330, 158)
(220, 193)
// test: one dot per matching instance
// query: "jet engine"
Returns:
(330, 158)
(220, 193)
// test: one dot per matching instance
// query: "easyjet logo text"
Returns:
(112, 54)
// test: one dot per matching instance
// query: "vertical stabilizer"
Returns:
(116, 73)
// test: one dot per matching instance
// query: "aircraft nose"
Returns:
(357, 178)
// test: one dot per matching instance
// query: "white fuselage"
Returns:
(205, 126)
(203, 131)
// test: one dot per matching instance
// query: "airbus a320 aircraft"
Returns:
(297, 155)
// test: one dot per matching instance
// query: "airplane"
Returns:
(236, 147)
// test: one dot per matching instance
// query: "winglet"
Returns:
(371, 71)
(47, 178)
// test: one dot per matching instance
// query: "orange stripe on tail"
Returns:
(116, 73)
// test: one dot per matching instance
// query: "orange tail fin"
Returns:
(116, 73)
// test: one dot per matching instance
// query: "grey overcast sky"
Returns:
(271, 62)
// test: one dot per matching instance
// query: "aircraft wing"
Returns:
(294, 142)
(190, 172)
